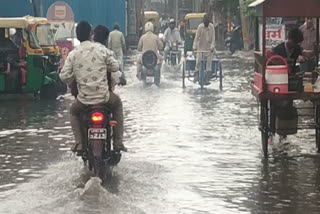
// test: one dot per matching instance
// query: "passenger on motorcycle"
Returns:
(100, 35)
(148, 42)
(171, 35)
(88, 65)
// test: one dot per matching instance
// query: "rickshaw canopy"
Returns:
(151, 15)
(194, 16)
(191, 26)
(287, 8)
(14, 23)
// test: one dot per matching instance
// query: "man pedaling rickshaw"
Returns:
(204, 42)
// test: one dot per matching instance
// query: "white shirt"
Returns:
(116, 42)
(205, 38)
(172, 35)
(88, 64)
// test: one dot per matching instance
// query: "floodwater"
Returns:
(190, 151)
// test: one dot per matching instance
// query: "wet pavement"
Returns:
(191, 151)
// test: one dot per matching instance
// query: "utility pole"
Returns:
(35, 13)
(41, 8)
(244, 26)
(148, 4)
(177, 11)
(166, 7)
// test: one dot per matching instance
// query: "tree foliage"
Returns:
(232, 5)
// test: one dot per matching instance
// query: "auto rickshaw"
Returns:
(277, 83)
(152, 16)
(193, 20)
(42, 29)
(23, 65)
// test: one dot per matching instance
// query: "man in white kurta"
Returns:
(204, 41)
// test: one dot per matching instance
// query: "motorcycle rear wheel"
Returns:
(99, 168)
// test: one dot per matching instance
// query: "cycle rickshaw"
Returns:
(277, 83)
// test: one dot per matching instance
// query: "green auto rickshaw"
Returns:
(23, 65)
(192, 20)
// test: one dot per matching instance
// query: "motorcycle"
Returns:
(174, 56)
(233, 41)
(98, 154)
(150, 69)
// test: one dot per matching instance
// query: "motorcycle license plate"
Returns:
(150, 79)
(97, 134)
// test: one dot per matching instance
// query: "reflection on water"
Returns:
(191, 151)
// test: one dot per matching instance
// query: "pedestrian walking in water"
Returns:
(117, 44)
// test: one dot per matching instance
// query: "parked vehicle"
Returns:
(42, 29)
(24, 67)
(150, 69)
(99, 155)
(234, 41)
(276, 85)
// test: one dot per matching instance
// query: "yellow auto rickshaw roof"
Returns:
(151, 13)
(194, 16)
(20, 22)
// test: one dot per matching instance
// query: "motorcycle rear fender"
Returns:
(97, 147)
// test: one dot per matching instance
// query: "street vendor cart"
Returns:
(275, 83)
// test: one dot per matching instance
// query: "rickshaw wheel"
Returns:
(183, 74)
(317, 126)
(220, 76)
(201, 75)
(264, 127)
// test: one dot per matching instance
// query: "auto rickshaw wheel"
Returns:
(264, 127)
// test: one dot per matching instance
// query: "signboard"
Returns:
(65, 48)
(61, 17)
(275, 36)
(275, 32)
(60, 12)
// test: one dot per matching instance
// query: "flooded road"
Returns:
(190, 151)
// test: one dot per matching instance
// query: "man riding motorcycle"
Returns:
(88, 65)
(171, 35)
(149, 41)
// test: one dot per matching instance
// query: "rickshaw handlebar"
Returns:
(202, 51)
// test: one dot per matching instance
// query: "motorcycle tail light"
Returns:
(97, 117)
